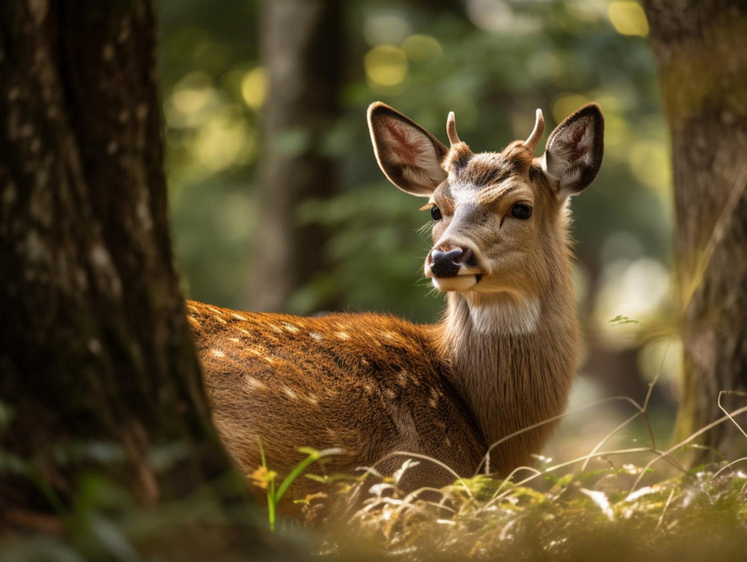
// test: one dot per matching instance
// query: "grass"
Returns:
(622, 511)
(265, 478)
(700, 514)
(613, 505)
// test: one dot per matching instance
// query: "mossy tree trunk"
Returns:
(701, 53)
(95, 348)
(302, 44)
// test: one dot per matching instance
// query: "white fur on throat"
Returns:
(507, 316)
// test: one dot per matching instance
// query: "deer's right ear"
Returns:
(409, 156)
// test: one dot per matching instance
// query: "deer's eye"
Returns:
(521, 211)
(435, 213)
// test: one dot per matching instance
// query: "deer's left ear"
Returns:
(573, 154)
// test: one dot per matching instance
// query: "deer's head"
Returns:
(497, 216)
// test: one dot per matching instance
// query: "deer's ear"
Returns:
(573, 154)
(409, 156)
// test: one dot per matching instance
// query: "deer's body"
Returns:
(502, 358)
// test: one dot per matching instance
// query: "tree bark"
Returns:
(301, 43)
(701, 53)
(95, 348)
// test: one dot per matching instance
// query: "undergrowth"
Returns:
(592, 515)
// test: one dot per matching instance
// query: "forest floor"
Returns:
(616, 513)
(623, 511)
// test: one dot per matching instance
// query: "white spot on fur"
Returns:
(290, 327)
(312, 399)
(254, 384)
(289, 393)
(214, 310)
(193, 321)
(238, 316)
(234, 340)
(218, 353)
(343, 335)
(275, 328)
(317, 337)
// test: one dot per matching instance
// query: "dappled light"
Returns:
(262, 301)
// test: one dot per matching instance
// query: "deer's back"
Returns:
(366, 383)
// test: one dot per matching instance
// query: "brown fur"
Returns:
(503, 357)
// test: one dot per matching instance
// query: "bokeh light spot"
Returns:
(225, 140)
(193, 92)
(649, 162)
(565, 104)
(254, 87)
(386, 65)
(628, 18)
(386, 27)
(421, 47)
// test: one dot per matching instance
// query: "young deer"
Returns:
(502, 358)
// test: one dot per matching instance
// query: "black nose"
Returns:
(446, 264)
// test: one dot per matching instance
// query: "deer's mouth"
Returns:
(461, 283)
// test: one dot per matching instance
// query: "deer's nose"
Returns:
(446, 263)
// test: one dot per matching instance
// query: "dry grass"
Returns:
(589, 515)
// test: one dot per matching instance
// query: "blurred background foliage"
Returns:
(492, 62)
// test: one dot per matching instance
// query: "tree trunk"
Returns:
(95, 349)
(301, 44)
(701, 53)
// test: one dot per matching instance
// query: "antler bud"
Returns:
(451, 129)
(539, 128)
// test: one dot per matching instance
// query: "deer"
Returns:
(376, 387)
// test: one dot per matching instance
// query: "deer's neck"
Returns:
(514, 360)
